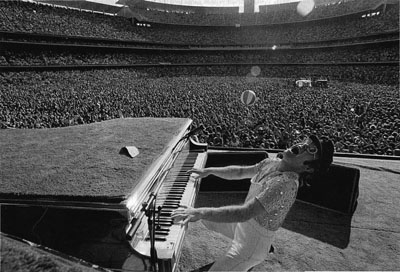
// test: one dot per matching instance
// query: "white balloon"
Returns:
(304, 7)
(248, 97)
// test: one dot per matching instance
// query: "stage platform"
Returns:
(313, 238)
(84, 164)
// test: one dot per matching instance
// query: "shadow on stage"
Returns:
(319, 223)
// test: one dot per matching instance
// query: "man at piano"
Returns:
(274, 184)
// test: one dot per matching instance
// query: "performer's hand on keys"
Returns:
(201, 173)
(186, 215)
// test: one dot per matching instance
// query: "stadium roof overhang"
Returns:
(86, 5)
(140, 4)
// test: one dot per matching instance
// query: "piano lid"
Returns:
(82, 163)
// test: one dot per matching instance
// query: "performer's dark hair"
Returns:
(321, 164)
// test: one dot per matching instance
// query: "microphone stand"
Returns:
(150, 211)
(192, 132)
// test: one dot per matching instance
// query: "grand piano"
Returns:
(102, 192)
(151, 232)
(81, 191)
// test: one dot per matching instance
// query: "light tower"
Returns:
(248, 6)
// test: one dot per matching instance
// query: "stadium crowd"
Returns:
(35, 18)
(361, 118)
(17, 56)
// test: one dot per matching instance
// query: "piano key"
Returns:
(164, 224)
(165, 218)
(162, 233)
(164, 211)
(166, 214)
(170, 202)
(174, 207)
(160, 228)
(162, 239)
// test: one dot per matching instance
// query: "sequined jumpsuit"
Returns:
(251, 240)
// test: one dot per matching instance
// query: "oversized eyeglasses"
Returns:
(301, 147)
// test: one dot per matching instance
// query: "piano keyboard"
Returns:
(177, 189)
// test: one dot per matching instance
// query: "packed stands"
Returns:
(40, 55)
(54, 99)
(35, 18)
